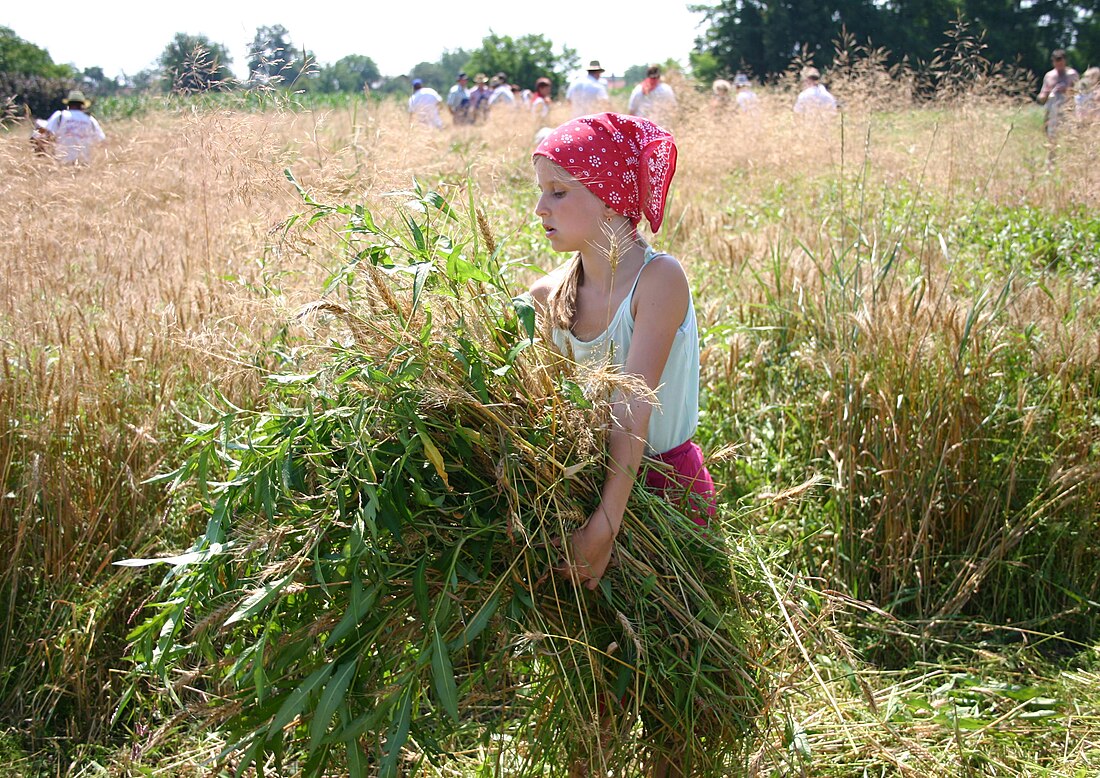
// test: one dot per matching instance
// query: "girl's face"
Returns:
(572, 216)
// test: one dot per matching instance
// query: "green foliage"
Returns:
(37, 94)
(956, 445)
(375, 572)
(523, 59)
(439, 75)
(762, 37)
(348, 74)
(192, 63)
(19, 57)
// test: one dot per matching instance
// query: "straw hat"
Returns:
(76, 96)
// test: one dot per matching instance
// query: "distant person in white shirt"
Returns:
(652, 99)
(588, 95)
(424, 105)
(746, 98)
(1054, 94)
(502, 92)
(73, 131)
(541, 100)
(814, 97)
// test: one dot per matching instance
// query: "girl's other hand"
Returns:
(591, 545)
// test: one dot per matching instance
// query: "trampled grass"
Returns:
(899, 302)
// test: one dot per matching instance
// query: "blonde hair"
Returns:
(561, 303)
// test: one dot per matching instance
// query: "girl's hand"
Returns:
(591, 545)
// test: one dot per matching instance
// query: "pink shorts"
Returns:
(689, 485)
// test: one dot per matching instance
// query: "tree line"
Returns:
(193, 63)
(762, 37)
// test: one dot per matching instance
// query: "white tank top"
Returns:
(675, 420)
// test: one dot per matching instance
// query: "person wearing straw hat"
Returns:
(75, 132)
(479, 99)
(588, 95)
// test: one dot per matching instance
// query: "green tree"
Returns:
(193, 63)
(18, 56)
(273, 59)
(762, 36)
(348, 74)
(441, 74)
(522, 59)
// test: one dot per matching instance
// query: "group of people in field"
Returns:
(652, 98)
(466, 104)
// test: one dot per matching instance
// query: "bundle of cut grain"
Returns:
(373, 585)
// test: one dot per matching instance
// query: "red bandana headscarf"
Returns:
(626, 161)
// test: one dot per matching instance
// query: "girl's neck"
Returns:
(596, 262)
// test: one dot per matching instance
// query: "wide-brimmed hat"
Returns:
(811, 72)
(594, 66)
(76, 96)
(481, 78)
(741, 80)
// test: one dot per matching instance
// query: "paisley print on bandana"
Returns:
(626, 161)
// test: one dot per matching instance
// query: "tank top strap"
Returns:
(650, 255)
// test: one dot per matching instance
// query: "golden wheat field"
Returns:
(861, 260)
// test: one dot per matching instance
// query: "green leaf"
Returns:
(525, 309)
(357, 761)
(332, 697)
(398, 733)
(437, 201)
(477, 624)
(258, 599)
(443, 675)
(286, 380)
(296, 700)
(461, 270)
(357, 609)
(420, 589)
(423, 270)
(190, 558)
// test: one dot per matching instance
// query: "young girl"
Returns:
(620, 300)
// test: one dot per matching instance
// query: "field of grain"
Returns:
(901, 391)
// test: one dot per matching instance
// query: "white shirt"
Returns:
(657, 105)
(456, 97)
(424, 106)
(587, 95)
(77, 133)
(815, 98)
(674, 421)
(747, 100)
(502, 94)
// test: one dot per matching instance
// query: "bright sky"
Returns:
(128, 36)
